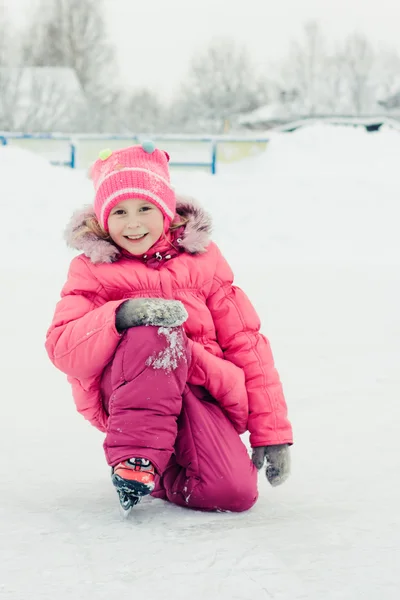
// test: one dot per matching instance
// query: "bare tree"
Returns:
(221, 83)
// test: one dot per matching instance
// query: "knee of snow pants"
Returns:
(211, 468)
(142, 389)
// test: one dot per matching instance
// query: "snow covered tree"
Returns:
(347, 79)
(303, 70)
(35, 99)
(9, 84)
(72, 33)
(360, 84)
(4, 35)
(331, 87)
(221, 82)
(388, 67)
(367, 75)
(39, 99)
(142, 111)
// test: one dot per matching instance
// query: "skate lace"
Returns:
(139, 464)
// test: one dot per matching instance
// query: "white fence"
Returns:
(195, 152)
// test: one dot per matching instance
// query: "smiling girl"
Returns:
(163, 352)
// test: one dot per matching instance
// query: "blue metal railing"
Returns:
(74, 140)
(44, 136)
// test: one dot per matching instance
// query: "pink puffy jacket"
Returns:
(230, 357)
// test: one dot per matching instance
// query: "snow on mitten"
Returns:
(278, 462)
(150, 311)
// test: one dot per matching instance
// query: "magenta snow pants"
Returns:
(154, 413)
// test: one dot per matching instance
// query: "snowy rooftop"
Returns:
(286, 112)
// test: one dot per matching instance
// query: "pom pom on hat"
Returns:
(104, 154)
(148, 146)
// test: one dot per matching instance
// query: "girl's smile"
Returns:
(135, 225)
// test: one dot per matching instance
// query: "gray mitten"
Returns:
(278, 462)
(150, 311)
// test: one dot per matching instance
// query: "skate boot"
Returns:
(133, 479)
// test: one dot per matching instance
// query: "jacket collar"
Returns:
(192, 238)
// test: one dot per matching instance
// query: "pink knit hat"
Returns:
(135, 172)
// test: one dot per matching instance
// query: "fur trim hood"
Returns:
(194, 240)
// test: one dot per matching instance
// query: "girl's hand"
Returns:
(150, 311)
(278, 462)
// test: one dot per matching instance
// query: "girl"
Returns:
(163, 353)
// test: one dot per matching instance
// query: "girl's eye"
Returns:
(145, 208)
(120, 211)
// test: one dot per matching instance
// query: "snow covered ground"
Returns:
(311, 229)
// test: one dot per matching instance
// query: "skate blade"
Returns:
(125, 512)
(126, 503)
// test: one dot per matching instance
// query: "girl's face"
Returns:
(135, 225)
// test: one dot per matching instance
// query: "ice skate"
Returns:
(133, 479)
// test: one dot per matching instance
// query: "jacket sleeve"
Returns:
(238, 334)
(82, 337)
(228, 388)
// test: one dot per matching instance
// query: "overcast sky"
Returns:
(156, 38)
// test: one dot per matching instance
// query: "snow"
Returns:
(269, 112)
(311, 231)
(169, 358)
